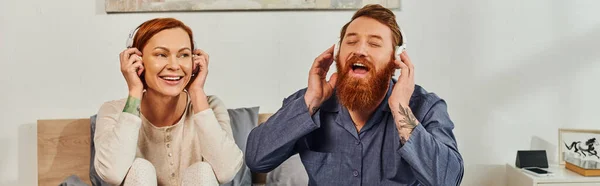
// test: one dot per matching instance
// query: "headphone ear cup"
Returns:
(129, 42)
(194, 76)
(143, 78)
(336, 51)
(399, 50)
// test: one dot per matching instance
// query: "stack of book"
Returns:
(582, 166)
(581, 170)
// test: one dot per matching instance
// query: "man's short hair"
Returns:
(381, 14)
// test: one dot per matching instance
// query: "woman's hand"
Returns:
(196, 87)
(132, 68)
(199, 70)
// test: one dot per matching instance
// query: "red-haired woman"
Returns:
(167, 131)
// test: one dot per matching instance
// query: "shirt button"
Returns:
(170, 154)
(357, 142)
(171, 163)
(172, 174)
(168, 137)
(168, 145)
(355, 173)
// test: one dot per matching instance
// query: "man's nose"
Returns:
(360, 50)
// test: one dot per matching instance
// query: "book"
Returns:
(582, 171)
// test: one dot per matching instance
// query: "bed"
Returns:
(63, 147)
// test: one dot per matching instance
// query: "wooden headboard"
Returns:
(63, 147)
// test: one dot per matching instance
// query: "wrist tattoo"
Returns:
(132, 106)
(406, 123)
(408, 120)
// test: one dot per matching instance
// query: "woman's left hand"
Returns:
(199, 70)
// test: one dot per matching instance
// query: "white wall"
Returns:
(512, 71)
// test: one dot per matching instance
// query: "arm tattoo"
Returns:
(132, 106)
(406, 120)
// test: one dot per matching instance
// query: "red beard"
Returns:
(362, 93)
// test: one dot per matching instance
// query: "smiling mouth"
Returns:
(171, 78)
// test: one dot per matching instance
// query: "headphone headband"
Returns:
(129, 42)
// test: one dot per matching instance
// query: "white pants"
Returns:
(142, 173)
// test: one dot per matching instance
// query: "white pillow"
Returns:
(290, 172)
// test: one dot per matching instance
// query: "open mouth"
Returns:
(359, 68)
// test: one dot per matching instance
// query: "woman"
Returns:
(167, 131)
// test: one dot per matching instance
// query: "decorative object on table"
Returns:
(578, 149)
(582, 171)
(531, 158)
(211, 5)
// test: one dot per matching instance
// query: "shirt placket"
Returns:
(170, 157)
(358, 162)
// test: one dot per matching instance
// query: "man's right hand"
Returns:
(319, 89)
(132, 68)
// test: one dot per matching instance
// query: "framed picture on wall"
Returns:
(579, 147)
(116, 6)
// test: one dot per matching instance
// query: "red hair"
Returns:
(381, 14)
(151, 27)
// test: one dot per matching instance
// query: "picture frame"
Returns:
(130, 6)
(579, 147)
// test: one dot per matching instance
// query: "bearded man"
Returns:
(362, 127)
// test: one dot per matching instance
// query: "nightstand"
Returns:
(562, 177)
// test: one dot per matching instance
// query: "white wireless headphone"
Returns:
(129, 42)
(398, 49)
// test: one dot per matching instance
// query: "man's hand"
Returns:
(401, 93)
(319, 89)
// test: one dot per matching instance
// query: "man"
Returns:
(362, 127)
